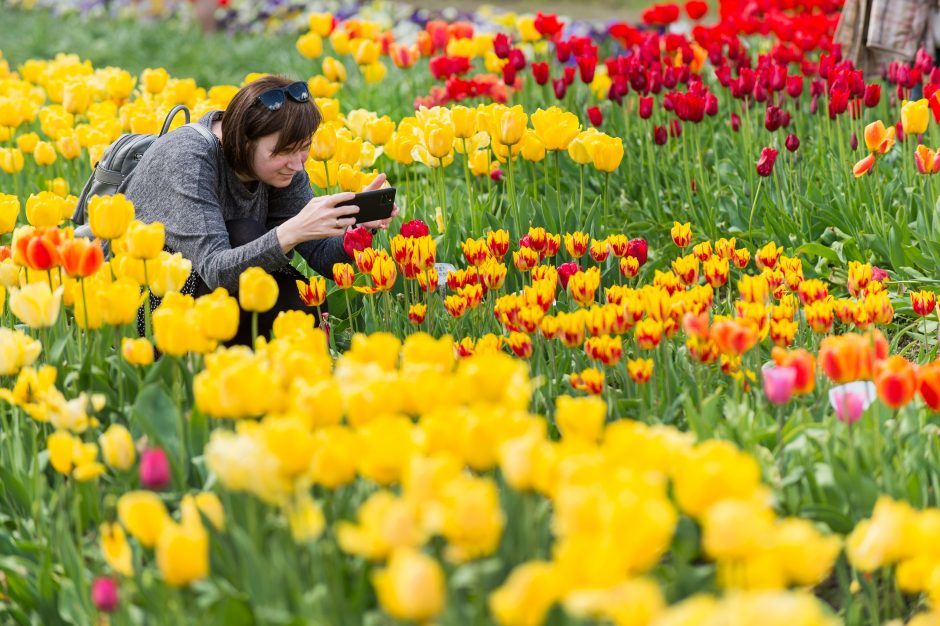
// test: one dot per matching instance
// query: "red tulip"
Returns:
(595, 115)
(659, 135)
(356, 239)
(154, 469)
(548, 25)
(638, 249)
(414, 228)
(765, 165)
(104, 594)
(565, 271)
(646, 107)
(792, 142)
(540, 72)
(696, 9)
(501, 45)
(872, 95)
(794, 86)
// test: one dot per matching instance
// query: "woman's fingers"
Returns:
(376, 183)
(336, 198)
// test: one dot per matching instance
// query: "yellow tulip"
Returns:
(218, 315)
(27, 142)
(365, 51)
(440, 140)
(168, 272)
(511, 125)
(144, 516)
(69, 146)
(9, 212)
(310, 45)
(205, 503)
(154, 80)
(257, 290)
(323, 145)
(532, 147)
(581, 418)
(464, 121)
(555, 127)
(36, 305)
(182, 553)
(380, 130)
(44, 153)
(581, 146)
(137, 351)
(527, 30)
(120, 301)
(914, 116)
(115, 549)
(374, 72)
(607, 152)
(334, 69)
(17, 350)
(109, 216)
(44, 209)
(321, 23)
(144, 241)
(11, 160)
(411, 587)
(117, 447)
(305, 519)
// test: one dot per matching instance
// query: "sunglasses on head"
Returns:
(273, 99)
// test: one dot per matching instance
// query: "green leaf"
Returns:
(158, 417)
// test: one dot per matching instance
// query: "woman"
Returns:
(242, 198)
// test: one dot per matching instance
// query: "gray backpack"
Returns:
(120, 158)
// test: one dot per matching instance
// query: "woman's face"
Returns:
(278, 170)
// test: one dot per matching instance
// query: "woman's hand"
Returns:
(383, 224)
(321, 218)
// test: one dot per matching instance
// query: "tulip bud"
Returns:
(154, 469)
(104, 594)
(646, 107)
(735, 122)
(853, 142)
(659, 135)
(792, 142)
(595, 115)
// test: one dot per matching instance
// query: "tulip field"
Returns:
(653, 342)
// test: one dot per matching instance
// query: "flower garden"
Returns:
(653, 342)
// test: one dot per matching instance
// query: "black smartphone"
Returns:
(373, 205)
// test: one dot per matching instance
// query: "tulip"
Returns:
(872, 95)
(36, 305)
(257, 290)
(589, 380)
(848, 406)
(182, 553)
(137, 351)
(879, 139)
(659, 135)
(312, 293)
(779, 383)
(44, 210)
(926, 160)
(681, 234)
(104, 594)
(343, 275)
(914, 116)
(765, 164)
(144, 241)
(417, 313)
(355, 240)
(792, 142)
(117, 447)
(9, 212)
(323, 144)
(896, 381)
(511, 125)
(81, 257)
(606, 153)
(930, 385)
(595, 116)
(923, 302)
(640, 370)
(154, 469)
(411, 587)
(864, 166)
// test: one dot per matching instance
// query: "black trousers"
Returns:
(240, 232)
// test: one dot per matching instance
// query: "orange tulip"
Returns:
(37, 249)
(741, 257)
(589, 380)
(926, 160)
(716, 270)
(629, 266)
(576, 244)
(604, 348)
(648, 333)
(852, 356)
(417, 313)
(768, 256)
(521, 344)
(81, 257)
(864, 166)
(803, 362)
(732, 337)
(456, 305)
(879, 139)
(896, 381)
(930, 385)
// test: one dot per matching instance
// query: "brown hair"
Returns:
(245, 121)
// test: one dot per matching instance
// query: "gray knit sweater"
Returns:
(190, 187)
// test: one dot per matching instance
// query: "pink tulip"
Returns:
(779, 383)
(104, 594)
(154, 469)
(849, 407)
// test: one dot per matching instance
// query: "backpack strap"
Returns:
(205, 132)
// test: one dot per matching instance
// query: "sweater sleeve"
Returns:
(285, 203)
(178, 185)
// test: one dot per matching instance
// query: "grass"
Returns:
(185, 51)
